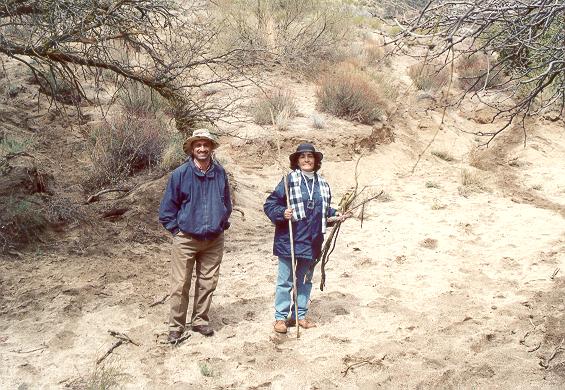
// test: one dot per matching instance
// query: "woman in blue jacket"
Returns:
(310, 198)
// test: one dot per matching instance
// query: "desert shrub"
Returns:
(351, 94)
(318, 121)
(138, 99)
(10, 145)
(428, 76)
(297, 33)
(173, 153)
(374, 52)
(21, 221)
(274, 107)
(123, 147)
(475, 73)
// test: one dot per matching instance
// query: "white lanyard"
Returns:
(310, 191)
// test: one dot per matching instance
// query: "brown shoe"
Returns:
(174, 336)
(306, 323)
(205, 330)
(280, 326)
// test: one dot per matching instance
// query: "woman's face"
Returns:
(306, 161)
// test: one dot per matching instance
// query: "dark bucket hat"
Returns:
(302, 148)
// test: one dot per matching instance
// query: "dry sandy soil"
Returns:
(443, 285)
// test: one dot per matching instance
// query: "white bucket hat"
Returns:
(199, 134)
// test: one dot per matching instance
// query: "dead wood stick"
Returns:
(123, 337)
(42, 347)
(177, 341)
(161, 301)
(116, 345)
(95, 197)
(535, 348)
(362, 363)
(555, 273)
(555, 352)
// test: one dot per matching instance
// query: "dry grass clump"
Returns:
(428, 77)
(472, 182)
(351, 94)
(475, 73)
(274, 107)
(375, 53)
(432, 184)
(173, 154)
(10, 145)
(124, 146)
(103, 376)
(318, 121)
(442, 154)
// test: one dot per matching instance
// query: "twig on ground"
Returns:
(535, 348)
(116, 345)
(558, 349)
(161, 301)
(96, 197)
(362, 363)
(122, 339)
(177, 341)
(555, 273)
(42, 347)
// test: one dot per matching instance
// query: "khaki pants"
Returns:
(207, 255)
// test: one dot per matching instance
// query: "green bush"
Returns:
(138, 99)
(173, 153)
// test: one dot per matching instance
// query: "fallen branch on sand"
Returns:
(555, 352)
(362, 363)
(177, 341)
(41, 348)
(122, 339)
(161, 301)
(96, 197)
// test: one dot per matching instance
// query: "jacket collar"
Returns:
(209, 173)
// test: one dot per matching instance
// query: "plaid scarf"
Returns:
(295, 194)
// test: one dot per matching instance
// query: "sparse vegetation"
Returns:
(21, 220)
(445, 156)
(10, 145)
(275, 107)
(140, 100)
(431, 184)
(297, 33)
(429, 77)
(104, 376)
(318, 121)
(476, 73)
(205, 369)
(123, 147)
(173, 154)
(471, 182)
(351, 94)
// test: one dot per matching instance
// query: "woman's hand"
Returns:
(288, 214)
(340, 217)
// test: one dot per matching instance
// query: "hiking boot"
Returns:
(205, 330)
(280, 326)
(174, 335)
(303, 322)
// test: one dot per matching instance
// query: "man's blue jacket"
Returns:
(197, 203)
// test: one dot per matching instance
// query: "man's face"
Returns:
(201, 149)
(306, 161)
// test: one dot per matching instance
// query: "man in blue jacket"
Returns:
(195, 208)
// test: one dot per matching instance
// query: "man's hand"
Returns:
(288, 214)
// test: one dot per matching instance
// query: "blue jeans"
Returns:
(283, 291)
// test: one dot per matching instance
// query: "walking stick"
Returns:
(294, 292)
